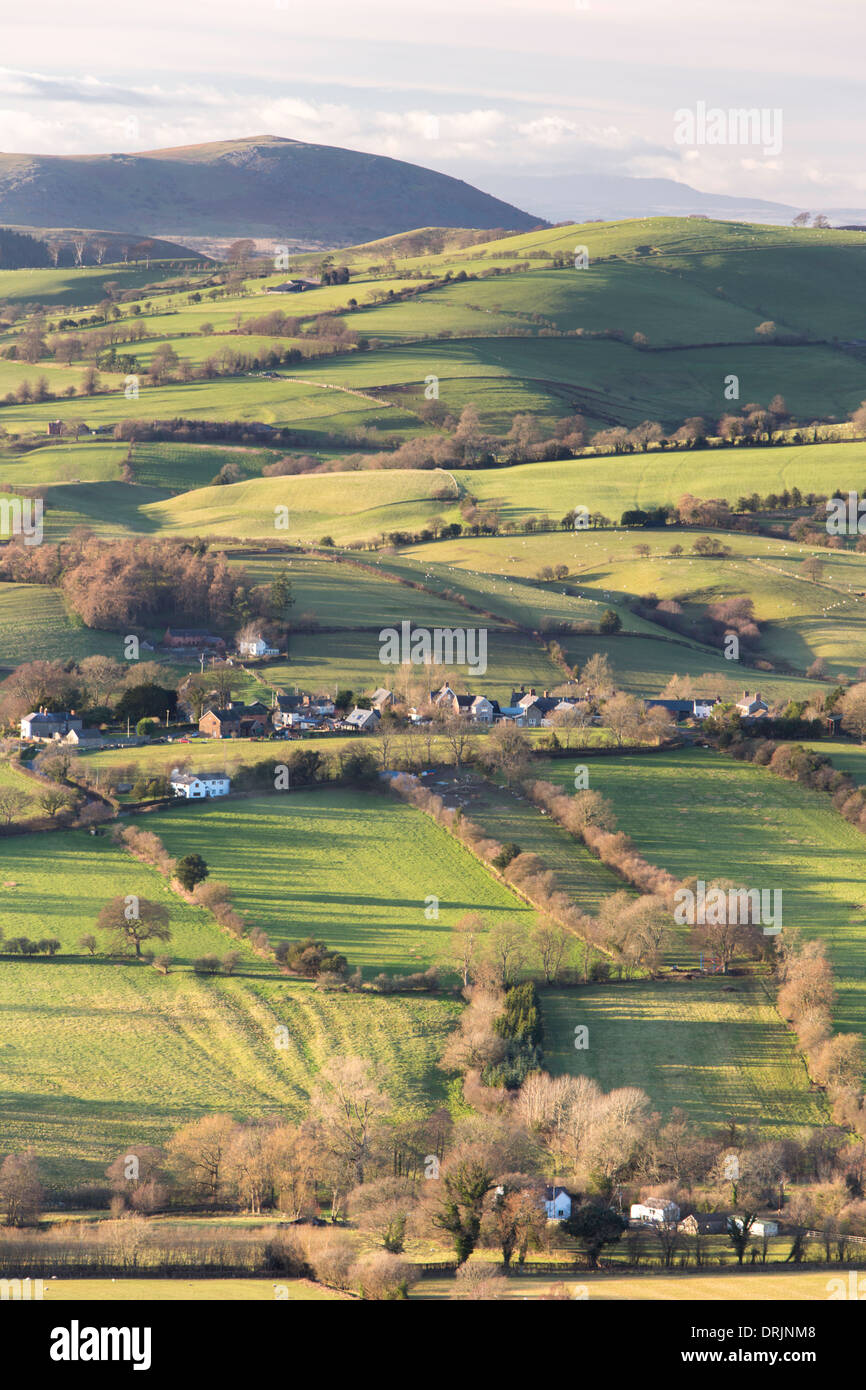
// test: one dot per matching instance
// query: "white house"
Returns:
(655, 1211)
(758, 1228)
(197, 785)
(256, 646)
(557, 1204)
(703, 707)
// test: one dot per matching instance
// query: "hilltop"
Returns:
(258, 186)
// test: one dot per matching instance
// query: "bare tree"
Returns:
(458, 734)
(853, 706)
(507, 949)
(622, 715)
(465, 936)
(12, 803)
(551, 941)
(350, 1109)
(198, 1154)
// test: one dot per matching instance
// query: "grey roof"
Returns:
(186, 777)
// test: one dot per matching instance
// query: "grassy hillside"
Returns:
(350, 504)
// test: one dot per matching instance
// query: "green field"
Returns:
(333, 864)
(352, 505)
(699, 813)
(716, 1055)
(34, 624)
(660, 476)
(96, 1053)
(508, 817)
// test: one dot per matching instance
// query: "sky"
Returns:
(488, 90)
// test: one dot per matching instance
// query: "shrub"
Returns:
(384, 1277)
(506, 853)
(190, 871)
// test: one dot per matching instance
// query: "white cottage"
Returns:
(198, 785)
(256, 646)
(557, 1203)
(655, 1211)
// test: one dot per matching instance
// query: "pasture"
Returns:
(699, 813)
(715, 1049)
(352, 868)
(97, 1052)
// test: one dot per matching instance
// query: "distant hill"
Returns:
(260, 186)
(97, 246)
(582, 196)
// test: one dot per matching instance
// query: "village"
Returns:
(305, 714)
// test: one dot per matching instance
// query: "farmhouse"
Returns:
(758, 1228)
(557, 1203)
(678, 709)
(381, 698)
(45, 724)
(237, 720)
(526, 717)
(752, 706)
(300, 710)
(285, 706)
(221, 723)
(462, 704)
(193, 637)
(705, 1223)
(292, 287)
(197, 785)
(256, 647)
(655, 1211)
(443, 696)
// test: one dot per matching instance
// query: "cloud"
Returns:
(533, 121)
